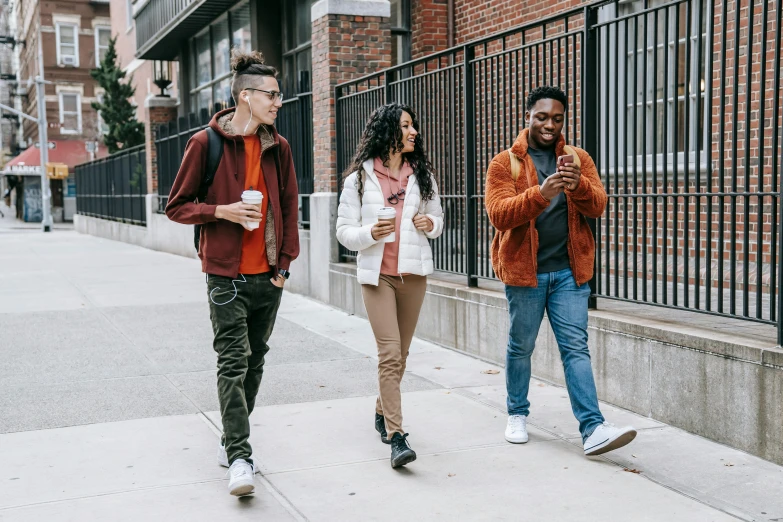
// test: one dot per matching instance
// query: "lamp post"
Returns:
(161, 71)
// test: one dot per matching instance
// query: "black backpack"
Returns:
(214, 155)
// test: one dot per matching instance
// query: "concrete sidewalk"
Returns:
(108, 411)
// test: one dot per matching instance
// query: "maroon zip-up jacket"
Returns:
(221, 240)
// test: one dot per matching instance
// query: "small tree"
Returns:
(116, 108)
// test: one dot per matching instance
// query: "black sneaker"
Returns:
(401, 452)
(380, 427)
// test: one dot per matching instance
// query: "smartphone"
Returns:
(562, 160)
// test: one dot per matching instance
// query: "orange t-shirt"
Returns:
(253, 259)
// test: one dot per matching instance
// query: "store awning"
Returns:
(70, 152)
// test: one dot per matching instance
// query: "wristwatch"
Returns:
(284, 273)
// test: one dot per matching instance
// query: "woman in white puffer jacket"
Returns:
(391, 169)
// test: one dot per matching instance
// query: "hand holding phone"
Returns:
(569, 171)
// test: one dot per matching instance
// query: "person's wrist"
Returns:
(219, 212)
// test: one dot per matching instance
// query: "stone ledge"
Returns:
(381, 8)
(701, 339)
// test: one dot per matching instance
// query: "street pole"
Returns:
(43, 139)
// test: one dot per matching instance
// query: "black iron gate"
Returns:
(681, 112)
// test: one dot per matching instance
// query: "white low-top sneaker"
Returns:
(240, 480)
(608, 437)
(222, 457)
(516, 429)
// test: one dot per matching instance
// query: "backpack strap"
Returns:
(214, 155)
(568, 149)
(516, 166)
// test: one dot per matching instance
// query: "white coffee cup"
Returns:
(387, 214)
(252, 197)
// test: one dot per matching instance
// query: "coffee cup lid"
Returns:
(252, 194)
(386, 212)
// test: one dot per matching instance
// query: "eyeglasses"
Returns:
(395, 198)
(273, 95)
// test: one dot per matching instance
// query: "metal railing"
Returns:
(170, 146)
(658, 93)
(114, 187)
(295, 123)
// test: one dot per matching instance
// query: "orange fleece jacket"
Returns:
(513, 207)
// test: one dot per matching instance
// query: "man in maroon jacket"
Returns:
(245, 249)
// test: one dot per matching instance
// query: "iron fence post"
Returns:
(387, 87)
(471, 250)
(590, 114)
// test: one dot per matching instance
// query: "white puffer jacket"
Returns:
(355, 220)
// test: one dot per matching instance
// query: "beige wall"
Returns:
(126, 51)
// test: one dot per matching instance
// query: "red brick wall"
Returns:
(344, 48)
(155, 117)
(429, 25)
(475, 18)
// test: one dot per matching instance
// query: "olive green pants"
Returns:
(243, 315)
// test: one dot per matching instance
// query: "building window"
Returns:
(210, 57)
(128, 14)
(103, 127)
(70, 113)
(660, 84)
(401, 31)
(297, 61)
(67, 44)
(102, 37)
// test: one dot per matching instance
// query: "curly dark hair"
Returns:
(546, 93)
(382, 134)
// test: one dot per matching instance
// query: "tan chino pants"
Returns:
(393, 309)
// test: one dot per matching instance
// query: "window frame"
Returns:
(98, 46)
(78, 112)
(647, 100)
(197, 88)
(291, 55)
(404, 31)
(101, 123)
(58, 33)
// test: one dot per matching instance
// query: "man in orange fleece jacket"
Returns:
(538, 196)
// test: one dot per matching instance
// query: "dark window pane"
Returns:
(304, 22)
(304, 64)
(203, 61)
(222, 92)
(240, 25)
(221, 47)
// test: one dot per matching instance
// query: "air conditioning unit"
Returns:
(68, 60)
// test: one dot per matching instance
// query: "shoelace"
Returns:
(403, 440)
(238, 471)
(517, 422)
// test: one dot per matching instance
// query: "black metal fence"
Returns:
(295, 123)
(114, 187)
(681, 112)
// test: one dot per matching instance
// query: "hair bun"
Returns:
(241, 60)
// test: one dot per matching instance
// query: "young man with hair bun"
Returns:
(248, 238)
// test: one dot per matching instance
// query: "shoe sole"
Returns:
(612, 445)
(516, 441)
(243, 489)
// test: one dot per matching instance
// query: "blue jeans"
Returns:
(566, 306)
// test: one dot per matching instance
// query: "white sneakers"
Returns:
(222, 455)
(608, 437)
(516, 430)
(240, 480)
